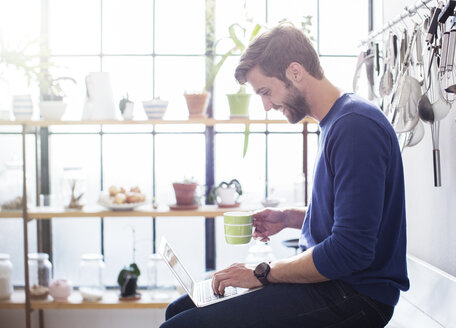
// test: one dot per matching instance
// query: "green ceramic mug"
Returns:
(238, 227)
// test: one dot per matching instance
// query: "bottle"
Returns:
(40, 275)
(91, 271)
(6, 271)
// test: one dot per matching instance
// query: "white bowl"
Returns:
(155, 109)
(52, 110)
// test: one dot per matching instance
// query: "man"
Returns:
(353, 237)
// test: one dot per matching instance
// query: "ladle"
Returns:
(426, 113)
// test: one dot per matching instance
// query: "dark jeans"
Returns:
(331, 304)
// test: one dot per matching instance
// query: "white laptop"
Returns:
(200, 292)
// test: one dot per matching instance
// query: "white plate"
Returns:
(121, 207)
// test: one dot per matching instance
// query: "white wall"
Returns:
(431, 211)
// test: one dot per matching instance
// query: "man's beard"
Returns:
(296, 105)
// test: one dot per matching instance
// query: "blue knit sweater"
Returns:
(356, 218)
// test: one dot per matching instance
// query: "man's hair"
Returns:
(274, 50)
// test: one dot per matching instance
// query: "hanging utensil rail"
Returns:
(407, 12)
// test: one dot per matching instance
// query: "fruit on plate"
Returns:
(119, 195)
(120, 198)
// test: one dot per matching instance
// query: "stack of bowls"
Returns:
(155, 109)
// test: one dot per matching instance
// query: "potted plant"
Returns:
(128, 277)
(126, 107)
(197, 102)
(226, 194)
(185, 193)
(21, 58)
(52, 106)
(239, 103)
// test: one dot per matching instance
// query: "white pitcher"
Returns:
(99, 104)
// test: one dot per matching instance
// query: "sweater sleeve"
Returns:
(356, 153)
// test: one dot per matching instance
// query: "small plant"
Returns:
(240, 39)
(22, 57)
(234, 183)
(128, 276)
(51, 88)
(128, 271)
(123, 103)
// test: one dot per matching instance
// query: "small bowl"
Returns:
(52, 110)
(155, 109)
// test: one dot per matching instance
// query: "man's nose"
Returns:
(267, 104)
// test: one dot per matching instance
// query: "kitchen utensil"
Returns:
(386, 80)
(416, 135)
(451, 46)
(432, 31)
(447, 11)
(440, 106)
(408, 93)
(444, 54)
(426, 113)
(406, 109)
(425, 110)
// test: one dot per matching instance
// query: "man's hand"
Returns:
(236, 275)
(268, 222)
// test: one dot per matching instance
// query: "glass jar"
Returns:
(157, 271)
(40, 275)
(74, 187)
(6, 272)
(11, 183)
(91, 271)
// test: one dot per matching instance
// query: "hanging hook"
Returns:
(425, 4)
(412, 12)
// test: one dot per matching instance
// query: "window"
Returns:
(153, 50)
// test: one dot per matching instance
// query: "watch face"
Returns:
(261, 268)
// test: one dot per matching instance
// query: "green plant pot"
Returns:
(239, 104)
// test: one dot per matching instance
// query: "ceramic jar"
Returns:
(60, 290)
(6, 271)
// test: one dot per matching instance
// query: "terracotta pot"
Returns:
(197, 103)
(185, 193)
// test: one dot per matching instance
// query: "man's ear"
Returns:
(294, 72)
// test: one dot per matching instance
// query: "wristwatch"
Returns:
(261, 272)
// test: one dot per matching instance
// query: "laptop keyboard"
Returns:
(206, 293)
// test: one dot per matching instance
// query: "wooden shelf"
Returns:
(95, 211)
(205, 121)
(110, 301)
(10, 214)
(16, 302)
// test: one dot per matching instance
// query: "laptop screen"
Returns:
(170, 257)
